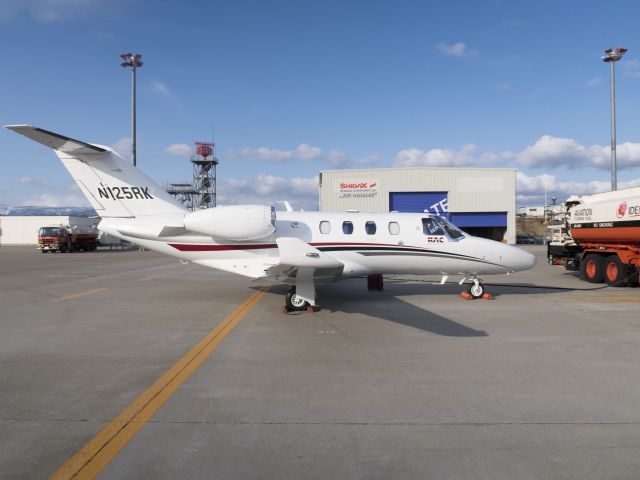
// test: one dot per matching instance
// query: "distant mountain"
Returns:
(48, 211)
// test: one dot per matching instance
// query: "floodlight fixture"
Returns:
(134, 61)
(612, 56)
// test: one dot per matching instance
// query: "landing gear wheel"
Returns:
(476, 289)
(592, 268)
(294, 302)
(615, 273)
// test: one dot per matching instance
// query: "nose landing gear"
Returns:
(475, 290)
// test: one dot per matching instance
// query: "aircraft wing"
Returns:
(298, 257)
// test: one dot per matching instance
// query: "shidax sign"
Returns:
(357, 188)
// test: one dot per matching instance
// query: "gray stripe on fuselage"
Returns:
(421, 254)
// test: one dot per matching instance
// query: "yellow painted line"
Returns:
(80, 294)
(152, 277)
(190, 269)
(91, 459)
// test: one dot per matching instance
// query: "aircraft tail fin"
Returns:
(113, 186)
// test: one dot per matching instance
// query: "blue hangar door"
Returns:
(418, 202)
(491, 225)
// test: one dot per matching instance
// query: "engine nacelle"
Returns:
(233, 222)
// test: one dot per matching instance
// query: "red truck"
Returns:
(65, 238)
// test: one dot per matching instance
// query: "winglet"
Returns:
(56, 141)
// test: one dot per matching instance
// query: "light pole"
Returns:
(132, 60)
(612, 56)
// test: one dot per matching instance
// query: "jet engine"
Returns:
(233, 222)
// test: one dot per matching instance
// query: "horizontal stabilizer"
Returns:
(56, 141)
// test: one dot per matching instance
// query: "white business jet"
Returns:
(295, 248)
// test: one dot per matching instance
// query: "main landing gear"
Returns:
(295, 302)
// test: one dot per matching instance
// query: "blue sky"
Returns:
(295, 87)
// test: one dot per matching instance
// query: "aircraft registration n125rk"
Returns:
(295, 248)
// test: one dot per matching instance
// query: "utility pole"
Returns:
(612, 56)
(132, 60)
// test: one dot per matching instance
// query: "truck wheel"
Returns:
(64, 248)
(615, 272)
(591, 268)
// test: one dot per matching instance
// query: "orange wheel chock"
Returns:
(466, 296)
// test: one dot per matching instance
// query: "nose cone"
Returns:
(519, 259)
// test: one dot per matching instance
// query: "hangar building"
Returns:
(23, 230)
(481, 201)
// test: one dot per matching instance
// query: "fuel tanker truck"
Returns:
(600, 237)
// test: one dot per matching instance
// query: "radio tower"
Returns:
(204, 174)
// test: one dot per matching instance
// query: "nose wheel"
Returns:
(476, 289)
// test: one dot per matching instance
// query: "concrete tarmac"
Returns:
(413, 382)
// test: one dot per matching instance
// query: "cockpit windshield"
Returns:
(49, 232)
(439, 226)
(453, 231)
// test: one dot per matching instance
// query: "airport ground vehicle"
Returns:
(67, 238)
(600, 237)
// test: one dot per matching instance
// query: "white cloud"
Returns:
(60, 195)
(437, 157)
(123, 147)
(551, 151)
(304, 151)
(539, 92)
(547, 152)
(631, 68)
(458, 49)
(47, 11)
(337, 159)
(594, 82)
(56, 200)
(265, 189)
(161, 89)
(503, 87)
(531, 188)
(369, 160)
(179, 149)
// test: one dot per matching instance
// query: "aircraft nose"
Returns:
(521, 259)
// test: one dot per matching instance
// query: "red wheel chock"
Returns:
(466, 296)
(486, 296)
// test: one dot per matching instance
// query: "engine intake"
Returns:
(233, 222)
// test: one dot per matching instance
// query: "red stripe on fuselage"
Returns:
(191, 247)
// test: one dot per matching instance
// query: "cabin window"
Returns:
(394, 228)
(347, 228)
(325, 227)
(370, 227)
(431, 227)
